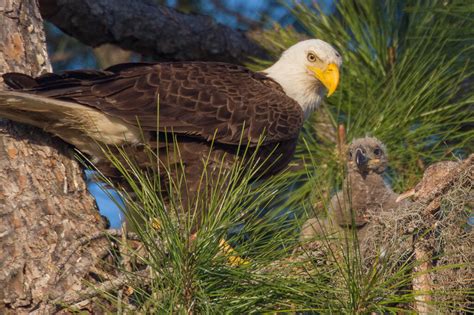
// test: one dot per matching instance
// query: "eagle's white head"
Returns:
(306, 71)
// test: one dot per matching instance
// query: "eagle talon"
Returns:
(233, 258)
(156, 224)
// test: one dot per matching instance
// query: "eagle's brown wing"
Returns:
(198, 99)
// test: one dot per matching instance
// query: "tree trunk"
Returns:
(44, 204)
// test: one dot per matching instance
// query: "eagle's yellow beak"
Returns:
(329, 77)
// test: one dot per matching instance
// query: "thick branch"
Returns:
(151, 29)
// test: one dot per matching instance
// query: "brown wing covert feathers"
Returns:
(195, 99)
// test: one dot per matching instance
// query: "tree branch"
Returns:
(150, 29)
(107, 286)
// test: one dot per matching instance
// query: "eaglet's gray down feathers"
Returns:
(364, 192)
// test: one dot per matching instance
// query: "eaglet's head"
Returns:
(307, 71)
(367, 155)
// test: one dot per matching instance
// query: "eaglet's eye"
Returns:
(377, 151)
(312, 57)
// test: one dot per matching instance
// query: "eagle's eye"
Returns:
(377, 151)
(312, 57)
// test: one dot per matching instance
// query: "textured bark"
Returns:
(422, 282)
(44, 205)
(436, 182)
(148, 28)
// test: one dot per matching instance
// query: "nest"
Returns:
(433, 233)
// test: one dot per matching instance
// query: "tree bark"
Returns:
(44, 204)
(148, 28)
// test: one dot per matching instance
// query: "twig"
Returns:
(119, 301)
(86, 240)
(101, 273)
(108, 286)
(341, 143)
(125, 254)
(422, 282)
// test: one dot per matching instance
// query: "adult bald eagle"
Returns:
(199, 102)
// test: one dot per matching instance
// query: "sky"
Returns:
(107, 199)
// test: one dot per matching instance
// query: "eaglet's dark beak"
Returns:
(361, 159)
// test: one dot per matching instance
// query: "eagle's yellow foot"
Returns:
(233, 258)
(156, 224)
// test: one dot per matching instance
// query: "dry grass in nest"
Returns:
(442, 232)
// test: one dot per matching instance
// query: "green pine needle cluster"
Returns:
(407, 78)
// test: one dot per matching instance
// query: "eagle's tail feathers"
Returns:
(19, 81)
(80, 125)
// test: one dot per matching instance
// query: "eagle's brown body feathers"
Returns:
(195, 99)
(199, 103)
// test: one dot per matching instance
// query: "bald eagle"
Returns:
(199, 102)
